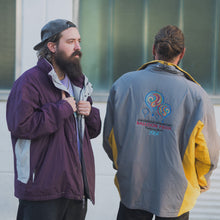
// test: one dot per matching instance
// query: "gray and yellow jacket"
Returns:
(161, 135)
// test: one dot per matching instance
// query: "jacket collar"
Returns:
(81, 82)
(187, 75)
(44, 65)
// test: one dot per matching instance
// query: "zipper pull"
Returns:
(84, 202)
(33, 176)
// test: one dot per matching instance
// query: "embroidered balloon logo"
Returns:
(164, 110)
(155, 104)
(153, 99)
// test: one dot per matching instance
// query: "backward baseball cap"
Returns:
(52, 28)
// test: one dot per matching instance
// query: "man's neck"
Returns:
(175, 60)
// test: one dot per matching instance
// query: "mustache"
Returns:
(76, 53)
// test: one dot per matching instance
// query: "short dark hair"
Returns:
(169, 42)
(44, 51)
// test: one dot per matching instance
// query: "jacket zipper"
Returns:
(85, 181)
(33, 176)
(86, 185)
(80, 162)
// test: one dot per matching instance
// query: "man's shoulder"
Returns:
(196, 89)
(198, 97)
(28, 76)
(128, 76)
(32, 76)
(41, 68)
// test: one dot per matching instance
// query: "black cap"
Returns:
(52, 28)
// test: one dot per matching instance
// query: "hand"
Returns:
(70, 100)
(84, 108)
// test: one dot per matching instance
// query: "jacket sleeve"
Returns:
(93, 121)
(109, 142)
(27, 118)
(207, 148)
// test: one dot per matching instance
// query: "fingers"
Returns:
(70, 100)
(63, 94)
(84, 108)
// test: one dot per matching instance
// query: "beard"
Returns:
(69, 65)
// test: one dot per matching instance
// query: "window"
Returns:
(7, 43)
(202, 47)
(117, 37)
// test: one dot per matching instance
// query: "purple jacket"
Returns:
(43, 131)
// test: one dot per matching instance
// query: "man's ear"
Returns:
(52, 47)
(183, 53)
(153, 50)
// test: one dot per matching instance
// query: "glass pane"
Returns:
(217, 86)
(160, 13)
(117, 37)
(128, 36)
(94, 30)
(199, 37)
(7, 43)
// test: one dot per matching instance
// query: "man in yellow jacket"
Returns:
(161, 135)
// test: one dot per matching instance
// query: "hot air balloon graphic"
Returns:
(155, 106)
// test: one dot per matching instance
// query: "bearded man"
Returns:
(51, 120)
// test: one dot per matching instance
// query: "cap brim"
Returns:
(38, 46)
